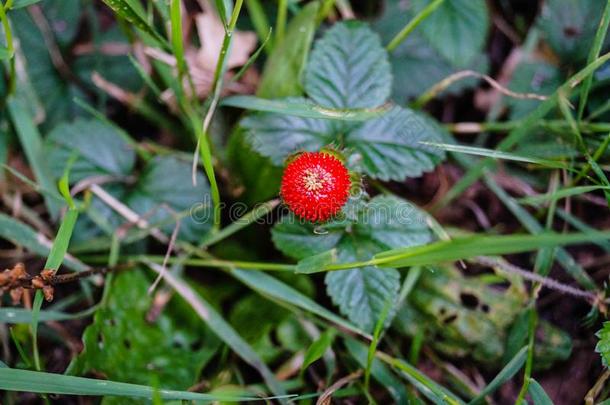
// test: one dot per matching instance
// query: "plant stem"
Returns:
(8, 34)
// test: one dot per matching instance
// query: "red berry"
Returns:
(315, 186)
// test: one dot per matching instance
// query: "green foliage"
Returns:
(457, 29)
(160, 196)
(348, 68)
(416, 63)
(361, 293)
(124, 346)
(569, 27)
(284, 68)
(319, 347)
(386, 147)
(603, 346)
(467, 317)
(103, 151)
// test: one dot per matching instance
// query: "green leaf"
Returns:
(379, 371)
(5, 53)
(17, 4)
(275, 289)
(301, 108)
(416, 65)
(277, 136)
(503, 376)
(313, 263)
(603, 346)
(54, 93)
(100, 148)
(467, 247)
(21, 315)
(124, 346)
(457, 29)
(569, 26)
(166, 182)
(360, 293)
(132, 13)
(532, 77)
(283, 70)
(31, 142)
(32, 381)
(318, 348)
(539, 396)
(64, 17)
(23, 235)
(349, 68)
(390, 147)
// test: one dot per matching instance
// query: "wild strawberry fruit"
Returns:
(315, 185)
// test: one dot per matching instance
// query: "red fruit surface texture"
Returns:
(315, 186)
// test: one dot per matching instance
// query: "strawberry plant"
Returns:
(321, 201)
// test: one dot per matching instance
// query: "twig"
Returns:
(326, 396)
(545, 281)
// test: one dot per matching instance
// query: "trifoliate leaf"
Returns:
(349, 68)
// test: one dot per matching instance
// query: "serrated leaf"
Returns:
(349, 68)
(100, 150)
(277, 136)
(569, 26)
(390, 147)
(124, 346)
(362, 293)
(603, 346)
(457, 28)
(166, 181)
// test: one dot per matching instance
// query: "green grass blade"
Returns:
(221, 328)
(21, 315)
(539, 396)
(497, 154)
(596, 48)
(515, 135)
(260, 21)
(31, 141)
(379, 371)
(559, 194)
(302, 109)
(22, 235)
(130, 12)
(472, 246)
(49, 383)
(531, 224)
(273, 288)
(428, 387)
(411, 25)
(503, 376)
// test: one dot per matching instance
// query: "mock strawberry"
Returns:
(315, 186)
